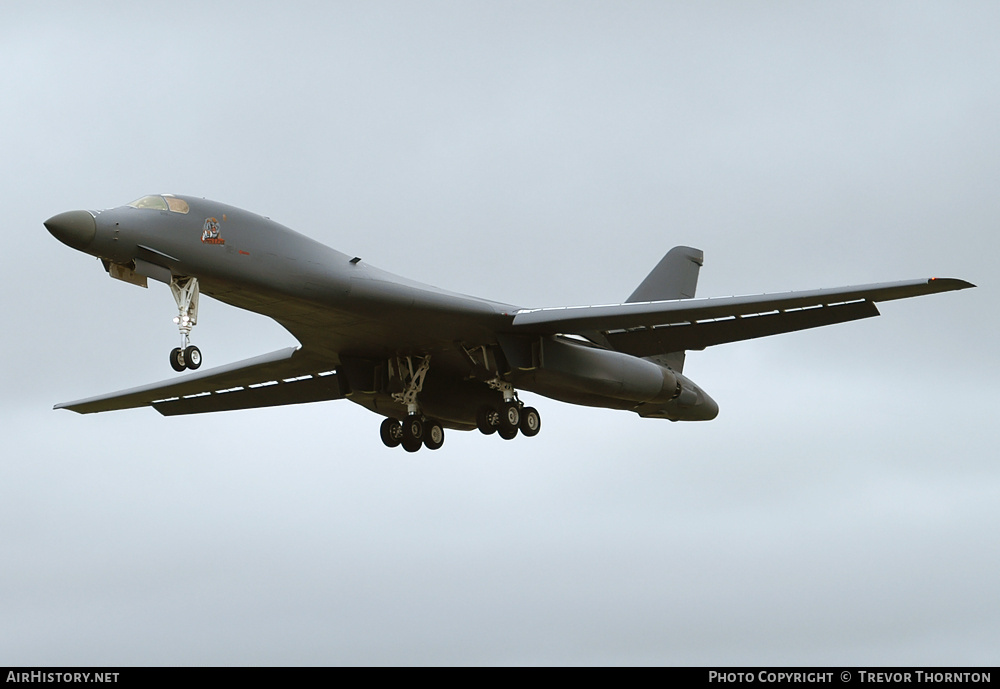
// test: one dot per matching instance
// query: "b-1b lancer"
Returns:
(425, 358)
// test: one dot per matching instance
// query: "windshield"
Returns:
(161, 203)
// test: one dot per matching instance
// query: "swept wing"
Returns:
(287, 376)
(655, 327)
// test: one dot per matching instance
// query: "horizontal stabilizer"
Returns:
(287, 376)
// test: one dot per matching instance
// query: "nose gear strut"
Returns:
(185, 291)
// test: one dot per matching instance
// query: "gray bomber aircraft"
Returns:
(424, 358)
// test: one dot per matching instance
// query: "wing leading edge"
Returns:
(287, 376)
(655, 327)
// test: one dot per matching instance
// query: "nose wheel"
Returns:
(189, 357)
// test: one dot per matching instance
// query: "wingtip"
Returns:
(946, 284)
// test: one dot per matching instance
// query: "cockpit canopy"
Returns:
(165, 202)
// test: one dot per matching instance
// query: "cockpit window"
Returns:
(155, 203)
(177, 205)
(162, 203)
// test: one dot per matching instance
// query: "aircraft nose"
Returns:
(73, 228)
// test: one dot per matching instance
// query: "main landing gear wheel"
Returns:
(391, 432)
(434, 435)
(507, 433)
(413, 433)
(531, 422)
(413, 428)
(487, 420)
(177, 359)
(510, 417)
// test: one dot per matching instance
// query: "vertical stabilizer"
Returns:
(674, 277)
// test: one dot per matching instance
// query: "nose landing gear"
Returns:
(185, 291)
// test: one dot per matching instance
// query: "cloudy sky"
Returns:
(843, 508)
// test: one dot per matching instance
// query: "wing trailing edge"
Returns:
(287, 376)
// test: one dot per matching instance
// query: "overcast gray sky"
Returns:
(843, 508)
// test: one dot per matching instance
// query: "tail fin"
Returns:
(674, 277)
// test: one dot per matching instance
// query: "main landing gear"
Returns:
(415, 430)
(185, 291)
(510, 418)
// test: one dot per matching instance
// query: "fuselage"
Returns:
(346, 311)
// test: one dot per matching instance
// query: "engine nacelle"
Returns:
(691, 404)
(581, 374)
